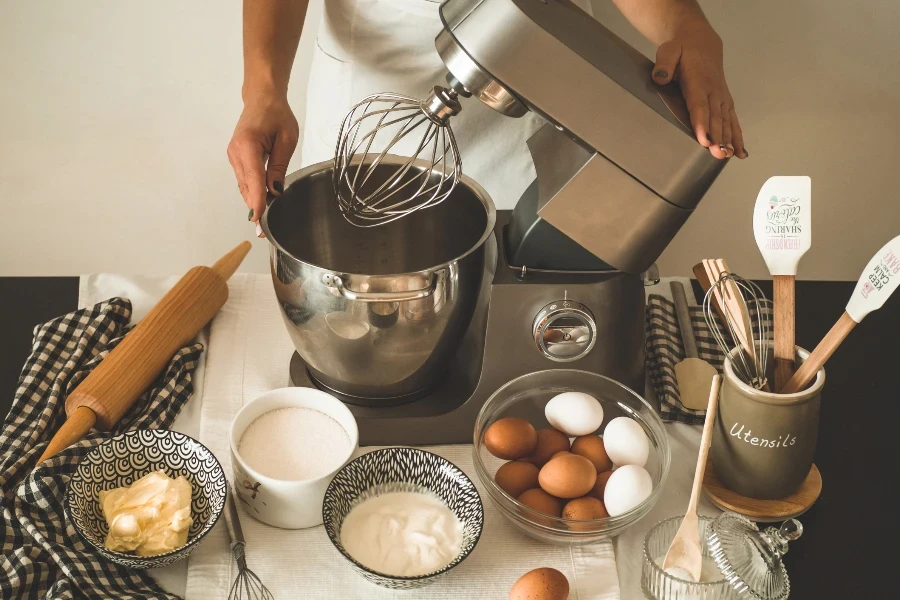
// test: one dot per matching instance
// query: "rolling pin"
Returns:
(119, 380)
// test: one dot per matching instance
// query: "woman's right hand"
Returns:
(260, 149)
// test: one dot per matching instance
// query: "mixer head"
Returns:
(371, 130)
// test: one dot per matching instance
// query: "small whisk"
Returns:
(746, 314)
(370, 193)
(247, 585)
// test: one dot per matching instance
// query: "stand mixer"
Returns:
(558, 283)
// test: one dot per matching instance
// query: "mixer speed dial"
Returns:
(564, 330)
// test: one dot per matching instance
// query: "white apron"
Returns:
(366, 47)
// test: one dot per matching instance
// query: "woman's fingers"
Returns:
(251, 156)
(737, 136)
(667, 57)
(282, 150)
(726, 129)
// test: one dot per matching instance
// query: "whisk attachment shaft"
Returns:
(749, 361)
(369, 194)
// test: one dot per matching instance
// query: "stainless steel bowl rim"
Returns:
(614, 522)
(390, 159)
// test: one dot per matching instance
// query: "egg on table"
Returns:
(574, 413)
(541, 584)
(625, 442)
(626, 488)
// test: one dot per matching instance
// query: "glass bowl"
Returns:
(659, 585)
(525, 397)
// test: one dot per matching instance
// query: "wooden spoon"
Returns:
(876, 284)
(693, 374)
(684, 551)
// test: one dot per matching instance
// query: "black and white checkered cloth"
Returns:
(43, 556)
(665, 350)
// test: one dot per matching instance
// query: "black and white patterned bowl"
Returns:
(122, 460)
(402, 470)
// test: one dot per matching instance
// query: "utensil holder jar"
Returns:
(763, 443)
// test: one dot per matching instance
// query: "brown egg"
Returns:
(568, 476)
(510, 438)
(560, 453)
(584, 509)
(600, 486)
(591, 447)
(541, 584)
(549, 442)
(517, 476)
(541, 501)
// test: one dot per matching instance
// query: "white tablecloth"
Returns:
(247, 353)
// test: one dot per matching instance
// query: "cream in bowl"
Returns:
(286, 446)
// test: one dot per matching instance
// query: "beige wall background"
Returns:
(114, 117)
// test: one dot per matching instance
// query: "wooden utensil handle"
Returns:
(820, 355)
(705, 440)
(683, 313)
(137, 361)
(703, 279)
(785, 346)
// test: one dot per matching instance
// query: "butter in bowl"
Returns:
(145, 498)
(402, 517)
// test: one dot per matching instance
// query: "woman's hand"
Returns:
(693, 57)
(260, 149)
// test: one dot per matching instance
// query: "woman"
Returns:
(370, 46)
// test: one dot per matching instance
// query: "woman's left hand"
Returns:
(693, 57)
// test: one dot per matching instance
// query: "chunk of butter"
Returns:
(151, 516)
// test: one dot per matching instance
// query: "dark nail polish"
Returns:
(279, 187)
(746, 154)
(661, 74)
(250, 215)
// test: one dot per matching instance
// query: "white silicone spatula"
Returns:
(684, 555)
(876, 284)
(782, 226)
(693, 374)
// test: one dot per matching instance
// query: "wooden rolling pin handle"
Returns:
(685, 324)
(820, 355)
(785, 346)
(77, 426)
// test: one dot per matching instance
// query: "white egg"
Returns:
(627, 487)
(574, 413)
(625, 442)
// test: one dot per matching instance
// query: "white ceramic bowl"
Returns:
(278, 502)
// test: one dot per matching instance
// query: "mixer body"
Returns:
(618, 168)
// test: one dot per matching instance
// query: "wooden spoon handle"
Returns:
(785, 346)
(705, 440)
(820, 355)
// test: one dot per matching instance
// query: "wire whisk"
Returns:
(746, 321)
(247, 585)
(374, 128)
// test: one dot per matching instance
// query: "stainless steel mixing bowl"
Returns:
(376, 313)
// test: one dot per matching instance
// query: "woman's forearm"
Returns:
(660, 20)
(271, 34)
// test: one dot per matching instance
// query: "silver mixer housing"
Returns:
(618, 168)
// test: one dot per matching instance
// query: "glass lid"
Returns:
(750, 559)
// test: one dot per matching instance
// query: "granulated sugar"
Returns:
(294, 444)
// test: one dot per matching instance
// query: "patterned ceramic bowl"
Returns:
(402, 470)
(122, 460)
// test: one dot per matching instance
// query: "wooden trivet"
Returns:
(764, 510)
